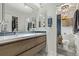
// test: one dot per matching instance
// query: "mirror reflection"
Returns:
(21, 17)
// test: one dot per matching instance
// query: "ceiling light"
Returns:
(31, 5)
(26, 6)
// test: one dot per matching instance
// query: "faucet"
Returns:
(14, 33)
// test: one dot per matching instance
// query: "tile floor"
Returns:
(43, 52)
(60, 52)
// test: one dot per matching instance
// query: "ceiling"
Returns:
(27, 8)
(59, 4)
(20, 7)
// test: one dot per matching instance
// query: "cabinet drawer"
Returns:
(16, 48)
(10, 49)
(40, 40)
(34, 50)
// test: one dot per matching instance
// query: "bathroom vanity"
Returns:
(22, 44)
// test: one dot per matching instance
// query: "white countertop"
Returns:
(5, 39)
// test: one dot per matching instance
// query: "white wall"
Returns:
(51, 32)
(0, 11)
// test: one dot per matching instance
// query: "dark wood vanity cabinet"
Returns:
(23, 47)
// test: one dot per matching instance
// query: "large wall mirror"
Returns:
(14, 17)
(0, 15)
